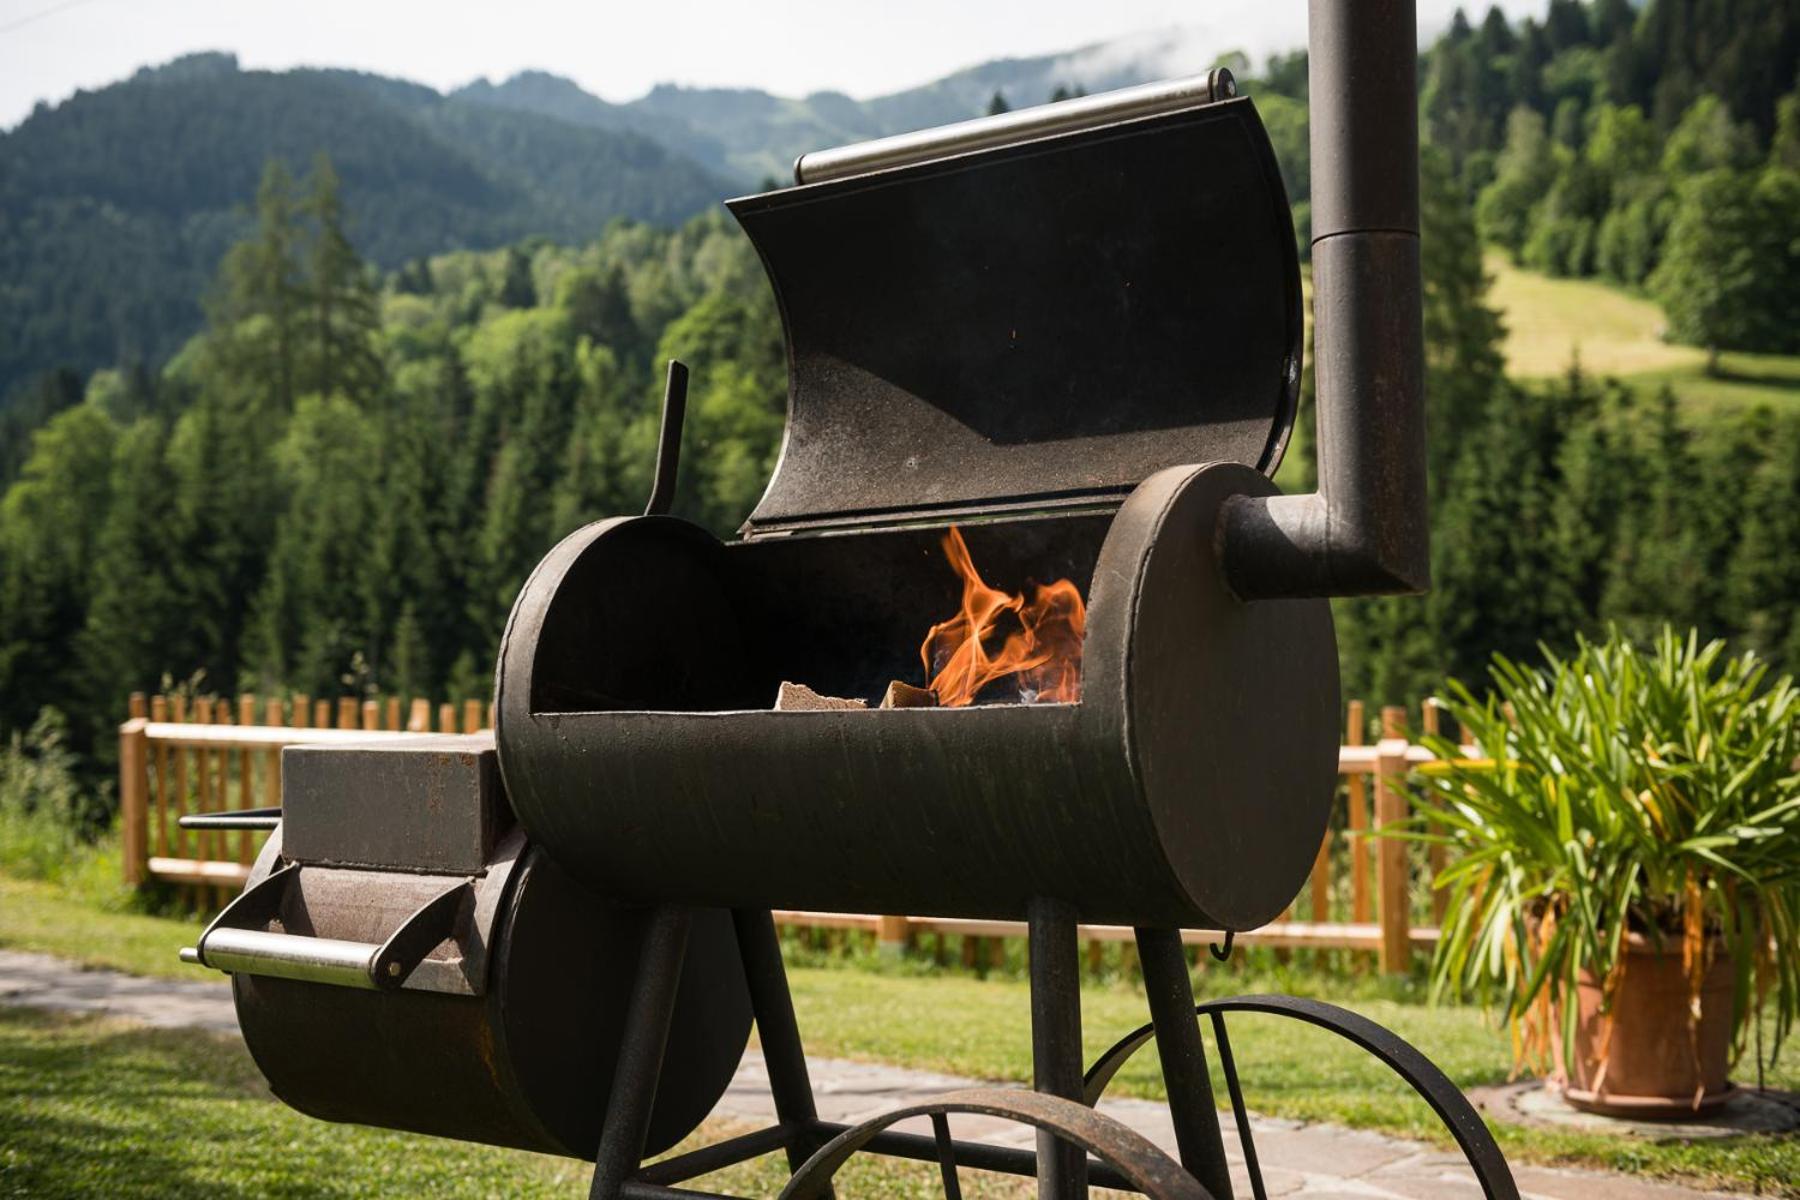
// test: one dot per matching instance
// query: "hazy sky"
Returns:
(49, 48)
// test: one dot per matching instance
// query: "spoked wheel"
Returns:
(1444, 1097)
(1125, 1157)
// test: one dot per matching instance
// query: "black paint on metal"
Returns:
(1445, 1098)
(1191, 1109)
(644, 1037)
(1241, 1114)
(946, 1148)
(668, 440)
(1139, 1164)
(718, 1155)
(1187, 788)
(1055, 970)
(783, 1054)
(1032, 326)
(525, 1063)
(1366, 530)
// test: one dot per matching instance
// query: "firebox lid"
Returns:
(1035, 326)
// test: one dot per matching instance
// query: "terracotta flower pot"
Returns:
(1656, 1065)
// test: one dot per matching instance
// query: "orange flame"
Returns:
(1044, 651)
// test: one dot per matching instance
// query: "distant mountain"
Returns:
(751, 135)
(116, 205)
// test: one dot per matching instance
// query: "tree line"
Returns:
(342, 482)
(1657, 149)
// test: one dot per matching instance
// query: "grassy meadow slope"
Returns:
(1614, 332)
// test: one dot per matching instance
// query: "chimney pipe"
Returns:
(1365, 531)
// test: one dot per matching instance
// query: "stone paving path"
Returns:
(1321, 1162)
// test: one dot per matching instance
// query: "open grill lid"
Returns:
(1038, 325)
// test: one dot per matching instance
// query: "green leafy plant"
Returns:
(42, 806)
(1618, 792)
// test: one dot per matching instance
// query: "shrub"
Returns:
(44, 813)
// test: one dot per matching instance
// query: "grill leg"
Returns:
(1056, 1039)
(1191, 1106)
(772, 1002)
(629, 1104)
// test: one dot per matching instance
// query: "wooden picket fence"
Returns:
(179, 755)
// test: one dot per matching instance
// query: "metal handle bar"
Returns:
(1005, 129)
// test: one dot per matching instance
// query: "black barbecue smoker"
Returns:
(1073, 333)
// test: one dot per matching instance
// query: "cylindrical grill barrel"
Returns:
(1189, 786)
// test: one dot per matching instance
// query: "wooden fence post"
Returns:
(1391, 865)
(892, 935)
(1357, 821)
(134, 793)
(1431, 712)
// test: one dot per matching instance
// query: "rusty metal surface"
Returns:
(527, 1063)
(1460, 1119)
(425, 804)
(1032, 325)
(1188, 788)
(1144, 1167)
(1365, 531)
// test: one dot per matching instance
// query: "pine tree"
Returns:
(257, 298)
(50, 523)
(134, 620)
(341, 297)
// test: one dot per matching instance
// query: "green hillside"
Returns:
(1552, 322)
(116, 205)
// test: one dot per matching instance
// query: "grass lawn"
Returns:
(1620, 334)
(97, 1096)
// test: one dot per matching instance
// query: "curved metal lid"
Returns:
(1038, 325)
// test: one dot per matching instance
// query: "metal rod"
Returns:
(1228, 1065)
(634, 1189)
(719, 1155)
(1191, 1107)
(946, 1148)
(242, 818)
(1056, 1038)
(773, 1005)
(291, 956)
(646, 1036)
(1365, 530)
(1004, 129)
(977, 1156)
(668, 440)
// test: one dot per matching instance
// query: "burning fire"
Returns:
(1042, 645)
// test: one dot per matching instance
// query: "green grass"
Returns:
(1550, 321)
(98, 1116)
(94, 1107)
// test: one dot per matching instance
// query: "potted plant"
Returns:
(1625, 870)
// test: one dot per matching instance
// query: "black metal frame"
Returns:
(1077, 1145)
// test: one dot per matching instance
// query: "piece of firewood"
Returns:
(797, 697)
(905, 695)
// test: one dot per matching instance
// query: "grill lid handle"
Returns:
(668, 441)
(1023, 125)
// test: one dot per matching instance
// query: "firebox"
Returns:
(1021, 628)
